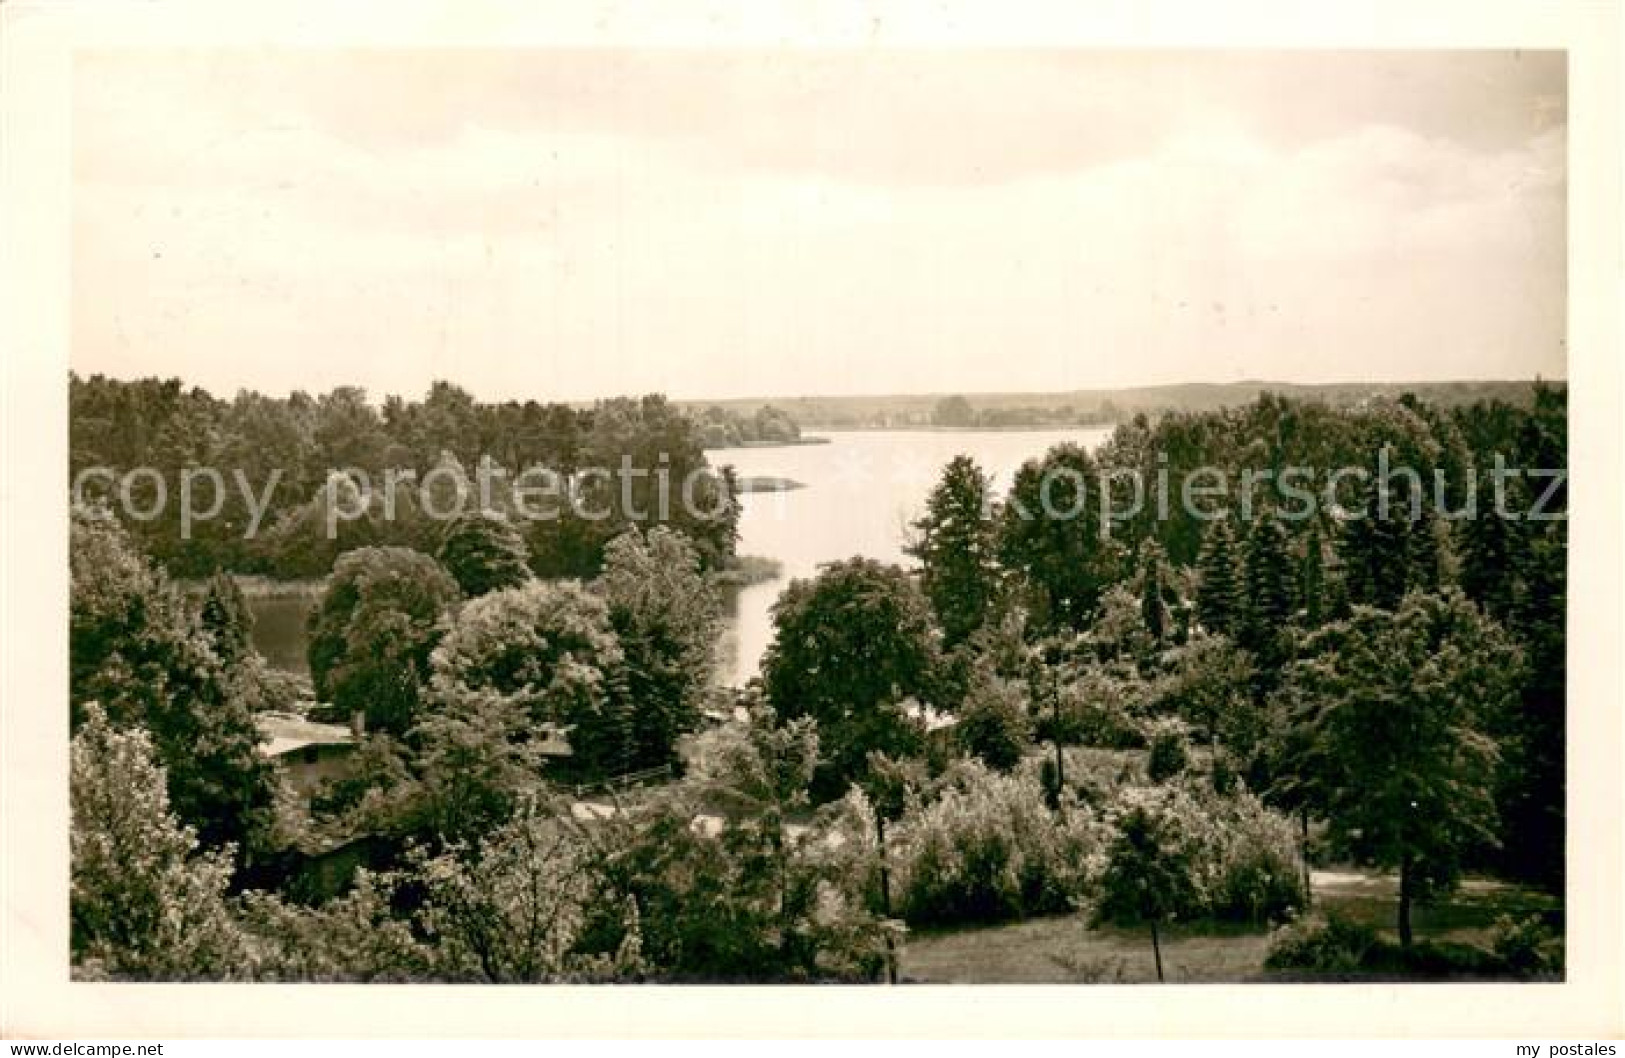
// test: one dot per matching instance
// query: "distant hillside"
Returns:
(1097, 405)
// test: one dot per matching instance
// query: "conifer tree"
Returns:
(1424, 552)
(226, 618)
(1376, 549)
(1218, 597)
(1386, 726)
(665, 615)
(1269, 584)
(1312, 580)
(1489, 567)
(1153, 588)
(955, 547)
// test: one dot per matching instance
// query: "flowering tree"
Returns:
(144, 903)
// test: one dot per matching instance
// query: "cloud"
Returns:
(255, 237)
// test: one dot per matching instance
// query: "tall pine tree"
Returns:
(1425, 550)
(1376, 548)
(226, 618)
(1269, 580)
(1269, 583)
(1489, 559)
(955, 547)
(1312, 588)
(1218, 595)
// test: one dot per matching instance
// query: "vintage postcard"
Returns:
(786, 497)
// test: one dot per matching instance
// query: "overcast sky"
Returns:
(581, 224)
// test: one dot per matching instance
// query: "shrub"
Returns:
(1238, 858)
(1322, 944)
(1332, 945)
(746, 902)
(1260, 870)
(993, 723)
(1528, 946)
(1169, 754)
(1439, 959)
(354, 937)
(1097, 709)
(988, 848)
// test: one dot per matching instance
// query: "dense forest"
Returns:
(278, 454)
(1167, 722)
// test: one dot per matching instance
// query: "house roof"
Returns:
(286, 732)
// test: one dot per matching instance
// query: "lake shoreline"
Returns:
(927, 428)
(800, 442)
(747, 571)
(258, 586)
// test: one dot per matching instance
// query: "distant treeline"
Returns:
(1105, 406)
(956, 411)
(285, 449)
(727, 428)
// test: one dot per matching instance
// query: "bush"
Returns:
(988, 848)
(1260, 869)
(1169, 754)
(1097, 709)
(993, 723)
(1332, 945)
(1438, 959)
(748, 903)
(1322, 944)
(1528, 946)
(1238, 858)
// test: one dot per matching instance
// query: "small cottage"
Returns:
(310, 753)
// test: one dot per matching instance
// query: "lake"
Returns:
(279, 629)
(862, 490)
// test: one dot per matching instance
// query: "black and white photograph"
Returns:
(876, 515)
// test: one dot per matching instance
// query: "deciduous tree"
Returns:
(138, 649)
(145, 904)
(849, 647)
(483, 552)
(1391, 712)
(372, 633)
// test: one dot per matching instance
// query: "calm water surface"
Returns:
(862, 491)
(279, 629)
